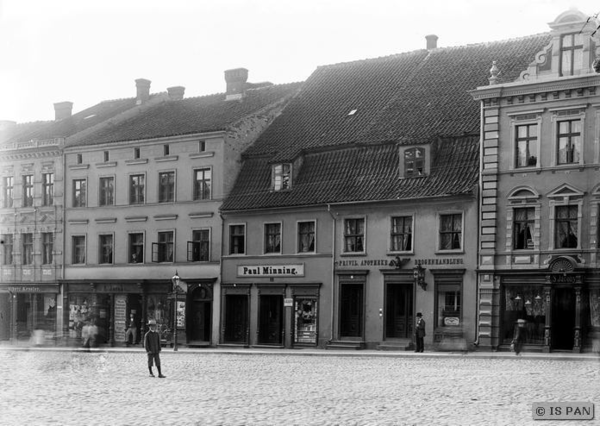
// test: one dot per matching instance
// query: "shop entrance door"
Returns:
(563, 319)
(236, 318)
(271, 319)
(201, 316)
(398, 311)
(351, 310)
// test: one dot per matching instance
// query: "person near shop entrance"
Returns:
(131, 331)
(519, 337)
(152, 346)
(420, 332)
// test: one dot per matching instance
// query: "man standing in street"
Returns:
(420, 332)
(152, 346)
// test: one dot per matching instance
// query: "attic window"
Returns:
(352, 112)
(201, 146)
(571, 53)
(281, 176)
(414, 162)
(136, 153)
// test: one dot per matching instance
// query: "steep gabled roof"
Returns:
(190, 115)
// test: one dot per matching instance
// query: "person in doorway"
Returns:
(519, 337)
(152, 346)
(420, 332)
(131, 331)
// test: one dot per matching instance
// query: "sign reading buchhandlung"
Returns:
(271, 271)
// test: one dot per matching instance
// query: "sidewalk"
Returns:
(23, 346)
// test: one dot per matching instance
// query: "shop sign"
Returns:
(32, 289)
(288, 301)
(450, 321)
(362, 262)
(563, 279)
(111, 288)
(440, 261)
(271, 271)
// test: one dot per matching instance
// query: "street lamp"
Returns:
(175, 280)
(419, 276)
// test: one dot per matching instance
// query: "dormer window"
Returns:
(414, 162)
(571, 53)
(282, 176)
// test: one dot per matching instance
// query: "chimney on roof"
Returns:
(176, 93)
(431, 41)
(62, 110)
(236, 83)
(143, 90)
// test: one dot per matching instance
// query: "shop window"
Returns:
(137, 186)
(401, 234)
(79, 192)
(106, 249)
(569, 141)
(526, 145)
(306, 237)
(527, 303)
(354, 235)
(7, 249)
(48, 189)
(566, 226)
(272, 238)
(136, 248)
(78, 250)
(449, 305)
(414, 162)
(237, 239)
(163, 250)
(107, 191)
(305, 321)
(451, 231)
(28, 191)
(47, 248)
(202, 184)
(523, 226)
(595, 308)
(27, 243)
(199, 247)
(166, 187)
(282, 176)
(7, 191)
(571, 53)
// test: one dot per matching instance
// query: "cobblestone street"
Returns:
(214, 388)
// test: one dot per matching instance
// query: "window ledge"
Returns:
(443, 252)
(136, 161)
(350, 254)
(107, 164)
(206, 154)
(167, 158)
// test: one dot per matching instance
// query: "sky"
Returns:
(87, 51)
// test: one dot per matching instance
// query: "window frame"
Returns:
(412, 171)
(102, 260)
(281, 180)
(133, 244)
(197, 194)
(166, 191)
(81, 200)
(78, 249)
(195, 246)
(233, 236)
(572, 49)
(567, 114)
(555, 222)
(137, 197)
(270, 248)
(47, 189)
(8, 247)
(346, 237)
(103, 193)
(47, 248)
(8, 191)
(299, 236)
(441, 215)
(392, 234)
(515, 230)
(445, 288)
(163, 250)
(27, 241)
(27, 190)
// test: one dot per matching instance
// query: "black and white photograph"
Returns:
(283, 212)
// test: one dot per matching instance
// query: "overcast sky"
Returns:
(86, 51)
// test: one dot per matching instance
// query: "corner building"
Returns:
(539, 254)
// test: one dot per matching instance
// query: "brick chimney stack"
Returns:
(176, 93)
(62, 110)
(431, 41)
(143, 90)
(236, 83)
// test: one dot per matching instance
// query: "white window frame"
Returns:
(212, 183)
(85, 255)
(391, 224)
(438, 250)
(114, 178)
(229, 226)
(100, 235)
(274, 176)
(298, 222)
(160, 172)
(265, 238)
(525, 119)
(517, 201)
(145, 192)
(209, 243)
(353, 253)
(144, 251)
(567, 114)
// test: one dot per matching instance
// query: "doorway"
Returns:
(270, 327)
(351, 310)
(563, 319)
(236, 318)
(201, 316)
(398, 311)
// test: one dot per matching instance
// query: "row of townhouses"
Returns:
(460, 182)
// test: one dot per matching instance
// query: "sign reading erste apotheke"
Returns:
(271, 270)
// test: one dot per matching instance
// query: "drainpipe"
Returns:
(333, 245)
(479, 200)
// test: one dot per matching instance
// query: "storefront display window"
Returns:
(92, 308)
(305, 321)
(528, 303)
(595, 307)
(448, 305)
(160, 310)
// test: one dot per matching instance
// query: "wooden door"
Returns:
(351, 310)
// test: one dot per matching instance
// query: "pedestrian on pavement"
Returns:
(131, 331)
(420, 332)
(519, 337)
(152, 346)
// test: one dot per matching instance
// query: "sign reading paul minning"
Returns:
(271, 271)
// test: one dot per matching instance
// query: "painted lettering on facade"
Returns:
(271, 271)
(454, 261)
(363, 262)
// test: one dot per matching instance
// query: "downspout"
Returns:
(217, 339)
(333, 245)
(479, 201)
(62, 307)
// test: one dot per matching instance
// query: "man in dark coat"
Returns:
(152, 346)
(420, 332)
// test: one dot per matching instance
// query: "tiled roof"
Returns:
(415, 97)
(190, 115)
(361, 173)
(42, 130)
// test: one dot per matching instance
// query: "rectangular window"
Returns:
(523, 302)
(199, 247)
(526, 145)
(282, 177)
(166, 187)
(354, 235)
(166, 150)
(107, 191)
(272, 238)
(79, 158)
(136, 189)
(7, 191)
(47, 248)
(7, 252)
(79, 193)
(401, 233)
(569, 141)
(163, 249)
(106, 156)
(450, 231)
(136, 153)
(28, 191)
(306, 237)
(201, 146)
(48, 189)
(27, 241)
(136, 248)
(414, 162)
(523, 225)
(202, 184)
(237, 237)
(106, 249)
(566, 226)
(571, 53)
(448, 303)
(78, 250)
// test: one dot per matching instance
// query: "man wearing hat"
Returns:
(152, 346)
(420, 332)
